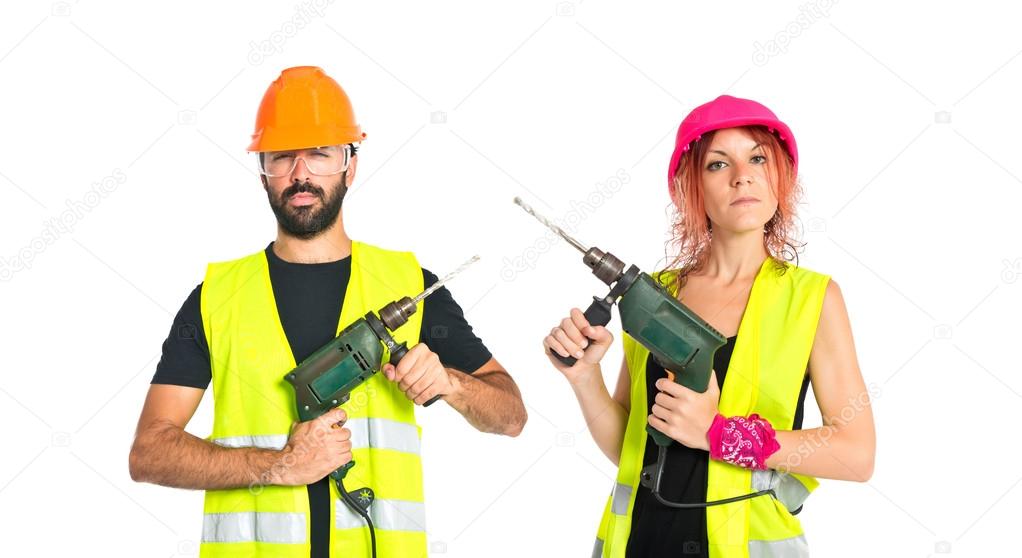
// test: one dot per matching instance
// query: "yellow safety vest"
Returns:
(764, 376)
(255, 407)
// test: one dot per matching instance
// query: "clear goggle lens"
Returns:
(321, 161)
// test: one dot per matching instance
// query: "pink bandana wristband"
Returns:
(743, 441)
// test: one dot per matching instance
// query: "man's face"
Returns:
(306, 204)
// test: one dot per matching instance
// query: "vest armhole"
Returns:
(215, 270)
(203, 307)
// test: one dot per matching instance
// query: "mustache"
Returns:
(301, 188)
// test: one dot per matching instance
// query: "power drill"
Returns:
(325, 379)
(680, 341)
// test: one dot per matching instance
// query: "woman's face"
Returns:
(737, 183)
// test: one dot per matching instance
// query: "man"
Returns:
(252, 319)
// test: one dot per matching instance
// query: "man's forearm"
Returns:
(489, 401)
(169, 456)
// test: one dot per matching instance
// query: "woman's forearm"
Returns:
(828, 452)
(605, 417)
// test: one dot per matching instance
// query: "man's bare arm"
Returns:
(163, 453)
(489, 399)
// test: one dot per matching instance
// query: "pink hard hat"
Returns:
(727, 112)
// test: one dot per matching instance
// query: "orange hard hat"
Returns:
(304, 108)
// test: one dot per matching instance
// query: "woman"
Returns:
(733, 180)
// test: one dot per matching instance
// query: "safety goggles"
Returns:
(321, 161)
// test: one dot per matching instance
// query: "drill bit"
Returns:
(395, 314)
(604, 265)
(446, 278)
(528, 209)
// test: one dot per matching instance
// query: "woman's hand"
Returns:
(683, 414)
(572, 338)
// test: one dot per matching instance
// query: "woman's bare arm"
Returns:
(845, 446)
(605, 416)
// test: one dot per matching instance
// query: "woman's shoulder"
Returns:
(816, 286)
(663, 276)
(801, 274)
(669, 279)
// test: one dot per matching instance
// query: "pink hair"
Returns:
(691, 229)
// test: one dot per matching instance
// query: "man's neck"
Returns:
(329, 246)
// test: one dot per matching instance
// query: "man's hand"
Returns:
(315, 449)
(420, 375)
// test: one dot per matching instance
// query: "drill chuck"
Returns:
(395, 314)
(606, 267)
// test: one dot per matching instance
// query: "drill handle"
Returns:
(398, 353)
(598, 314)
(659, 437)
(341, 471)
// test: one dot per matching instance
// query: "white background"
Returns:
(907, 120)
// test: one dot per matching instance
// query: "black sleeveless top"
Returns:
(661, 532)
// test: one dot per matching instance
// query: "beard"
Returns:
(308, 221)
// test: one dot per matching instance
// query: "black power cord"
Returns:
(354, 505)
(658, 472)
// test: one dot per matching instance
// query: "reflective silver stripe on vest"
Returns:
(384, 434)
(365, 433)
(598, 548)
(389, 515)
(795, 547)
(790, 491)
(267, 441)
(622, 495)
(266, 527)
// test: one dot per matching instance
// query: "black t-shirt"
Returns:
(309, 299)
(659, 531)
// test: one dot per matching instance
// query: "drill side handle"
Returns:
(397, 353)
(598, 314)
